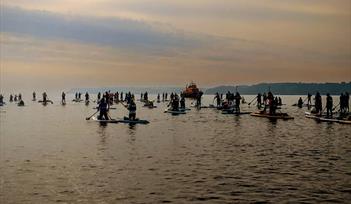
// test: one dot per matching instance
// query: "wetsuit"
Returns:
(182, 102)
(63, 97)
(329, 106)
(318, 103)
(132, 110)
(300, 103)
(237, 102)
(103, 108)
(259, 100)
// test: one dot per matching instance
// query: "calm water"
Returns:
(53, 155)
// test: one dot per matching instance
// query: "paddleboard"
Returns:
(331, 120)
(103, 121)
(324, 119)
(47, 101)
(111, 108)
(137, 121)
(235, 113)
(345, 122)
(150, 106)
(175, 112)
(279, 116)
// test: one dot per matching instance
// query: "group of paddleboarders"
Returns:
(177, 103)
(318, 107)
(230, 103)
(107, 99)
(264, 99)
(14, 98)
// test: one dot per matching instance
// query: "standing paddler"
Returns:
(309, 101)
(45, 97)
(218, 99)
(182, 101)
(132, 109)
(259, 100)
(329, 106)
(300, 103)
(87, 97)
(318, 103)
(63, 98)
(1, 99)
(103, 108)
(237, 98)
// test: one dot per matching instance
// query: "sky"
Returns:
(97, 43)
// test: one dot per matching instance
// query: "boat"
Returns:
(136, 121)
(283, 116)
(191, 91)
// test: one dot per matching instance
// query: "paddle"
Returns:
(252, 100)
(305, 100)
(91, 115)
(125, 106)
(336, 106)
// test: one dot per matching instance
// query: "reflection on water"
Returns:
(202, 156)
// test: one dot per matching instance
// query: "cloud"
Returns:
(79, 50)
(115, 32)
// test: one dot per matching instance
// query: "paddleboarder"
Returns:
(87, 97)
(103, 108)
(329, 106)
(198, 99)
(175, 103)
(63, 98)
(218, 99)
(182, 102)
(259, 100)
(45, 97)
(309, 102)
(132, 109)
(347, 102)
(300, 103)
(318, 103)
(237, 98)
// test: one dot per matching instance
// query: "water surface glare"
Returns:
(51, 154)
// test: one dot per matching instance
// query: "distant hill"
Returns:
(285, 88)
(135, 90)
(276, 88)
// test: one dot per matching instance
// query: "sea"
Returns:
(52, 154)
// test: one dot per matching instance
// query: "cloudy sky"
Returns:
(92, 43)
